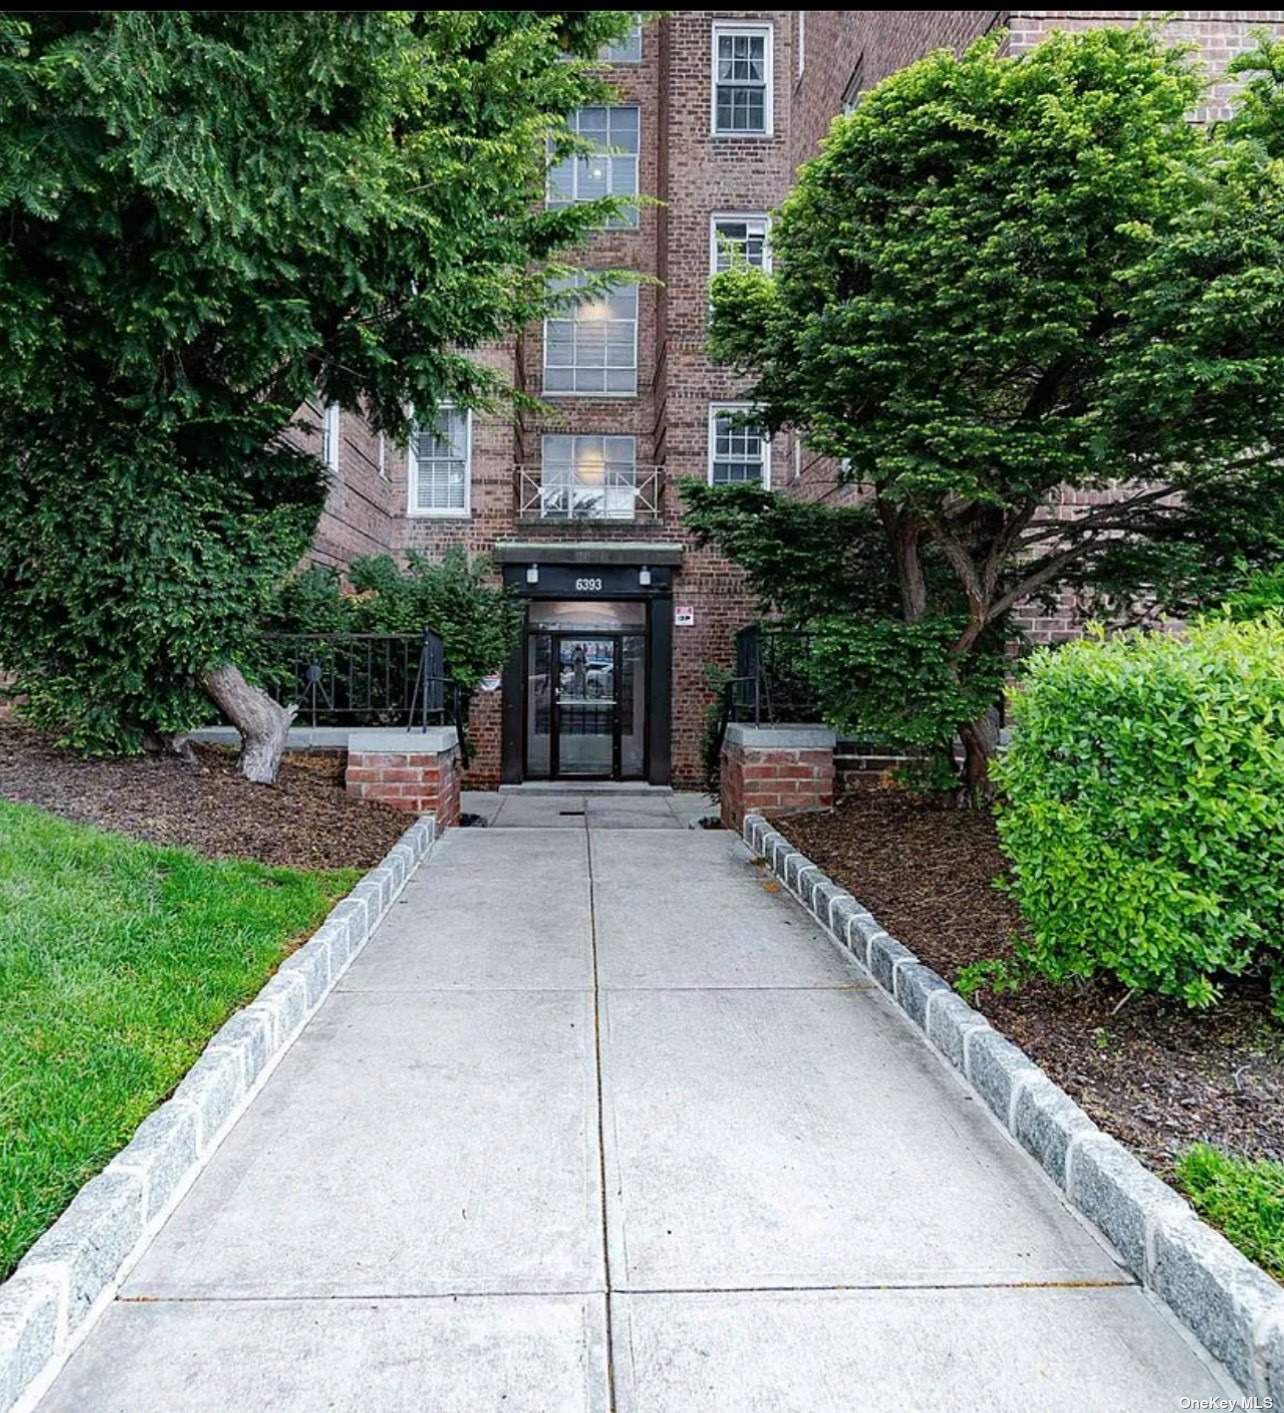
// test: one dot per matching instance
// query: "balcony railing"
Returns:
(634, 493)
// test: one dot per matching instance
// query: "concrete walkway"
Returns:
(598, 1120)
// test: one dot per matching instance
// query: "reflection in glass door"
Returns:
(586, 705)
(586, 690)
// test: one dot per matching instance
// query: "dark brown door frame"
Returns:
(558, 636)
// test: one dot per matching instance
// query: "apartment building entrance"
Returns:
(586, 696)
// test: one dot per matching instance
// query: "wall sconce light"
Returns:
(644, 577)
(532, 573)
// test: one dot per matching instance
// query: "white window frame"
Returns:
(331, 427)
(604, 55)
(747, 217)
(595, 392)
(454, 512)
(717, 409)
(613, 502)
(766, 32)
(802, 41)
(609, 156)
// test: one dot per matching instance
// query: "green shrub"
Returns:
(1262, 593)
(1244, 1200)
(478, 622)
(1145, 808)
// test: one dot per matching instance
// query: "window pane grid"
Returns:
(596, 350)
(740, 103)
(626, 51)
(739, 242)
(739, 451)
(588, 477)
(611, 171)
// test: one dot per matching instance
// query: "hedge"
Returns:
(1144, 810)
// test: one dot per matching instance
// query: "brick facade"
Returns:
(408, 776)
(819, 59)
(773, 771)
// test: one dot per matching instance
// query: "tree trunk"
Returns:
(980, 740)
(171, 744)
(262, 722)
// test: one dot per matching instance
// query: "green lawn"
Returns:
(1244, 1199)
(118, 960)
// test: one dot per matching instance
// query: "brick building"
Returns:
(579, 509)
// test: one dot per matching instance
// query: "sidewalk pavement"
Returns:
(596, 1121)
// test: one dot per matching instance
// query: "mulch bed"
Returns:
(1153, 1073)
(304, 821)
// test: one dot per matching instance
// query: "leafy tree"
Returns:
(825, 575)
(1003, 277)
(211, 219)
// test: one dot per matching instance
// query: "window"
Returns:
(802, 41)
(330, 435)
(851, 94)
(739, 452)
(588, 478)
(742, 80)
(624, 51)
(735, 240)
(611, 170)
(594, 347)
(440, 456)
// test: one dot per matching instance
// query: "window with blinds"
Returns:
(440, 453)
(610, 170)
(593, 348)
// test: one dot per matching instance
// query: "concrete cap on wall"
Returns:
(416, 743)
(782, 736)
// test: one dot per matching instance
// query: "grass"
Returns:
(1243, 1200)
(118, 960)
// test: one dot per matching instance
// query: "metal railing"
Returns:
(770, 683)
(365, 679)
(610, 492)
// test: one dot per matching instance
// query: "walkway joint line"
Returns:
(601, 1120)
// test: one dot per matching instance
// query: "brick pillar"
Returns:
(775, 770)
(418, 771)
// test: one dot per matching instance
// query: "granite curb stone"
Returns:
(71, 1271)
(951, 1022)
(1212, 1289)
(30, 1312)
(1233, 1307)
(162, 1152)
(915, 986)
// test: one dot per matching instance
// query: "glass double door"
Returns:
(586, 704)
